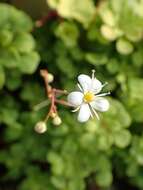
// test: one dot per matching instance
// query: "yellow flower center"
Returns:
(88, 97)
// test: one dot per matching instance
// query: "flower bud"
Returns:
(53, 114)
(40, 127)
(57, 120)
(50, 77)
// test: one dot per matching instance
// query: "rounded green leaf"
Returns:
(2, 77)
(9, 57)
(122, 138)
(82, 11)
(5, 37)
(123, 46)
(29, 62)
(13, 79)
(53, 3)
(107, 14)
(14, 19)
(104, 179)
(68, 32)
(96, 59)
(23, 42)
(117, 116)
(110, 33)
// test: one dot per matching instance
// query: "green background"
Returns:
(76, 36)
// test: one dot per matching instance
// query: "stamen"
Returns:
(103, 94)
(93, 74)
(96, 114)
(75, 110)
(79, 87)
(90, 111)
(104, 84)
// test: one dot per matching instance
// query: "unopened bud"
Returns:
(57, 120)
(40, 127)
(50, 77)
(53, 114)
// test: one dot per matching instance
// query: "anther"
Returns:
(93, 73)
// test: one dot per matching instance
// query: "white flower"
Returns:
(88, 100)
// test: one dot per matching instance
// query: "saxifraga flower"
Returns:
(88, 100)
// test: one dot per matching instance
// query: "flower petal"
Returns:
(75, 98)
(96, 86)
(84, 113)
(100, 104)
(85, 82)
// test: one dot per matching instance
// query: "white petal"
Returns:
(85, 82)
(75, 98)
(96, 86)
(84, 113)
(100, 104)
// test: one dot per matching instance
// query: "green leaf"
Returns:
(53, 3)
(137, 58)
(96, 59)
(124, 47)
(14, 19)
(104, 179)
(73, 9)
(9, 116)
(58, 164)
(135, 89)
(13, 79)
(6, 37)
(134, 98)
(107, 15)
(27, 93)
(128, 19)
(122, 138)
(66, 66)
(113, 66)
(23, 42)
(9, 57)
(29, 62)
(2, 77)
(14, 132)
(117, 116)
(68, 32)
(110, 33)
(137, 149)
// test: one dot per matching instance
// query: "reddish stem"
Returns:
(51, 15)
(51, 94)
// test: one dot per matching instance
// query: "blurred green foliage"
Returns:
(104, 35)
(17, 46)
